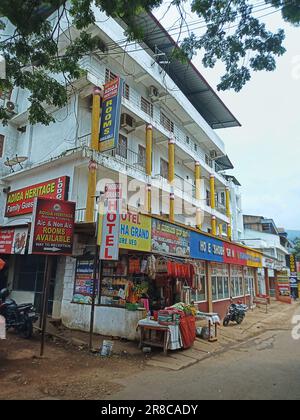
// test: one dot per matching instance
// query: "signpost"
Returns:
(52, 233)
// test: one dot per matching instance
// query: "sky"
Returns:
(266, 149)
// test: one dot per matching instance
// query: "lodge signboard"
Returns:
(13, 240)
(21, 201)
(170, 239)
(110, 116)
(109, 247)
(135, 232)
(52, 229)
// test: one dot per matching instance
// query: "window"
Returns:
(222, 198)
(164, 168)
(147, 107)
(126, 91)
(122, 146)
(142, 156)
(237, 282)
(208, 161)
(249, 281)
(196, 147)
(1, 145)
(187, 140)
(166, 122)
(199, 293)
(207, 197)
(109, 76)
(220, 282)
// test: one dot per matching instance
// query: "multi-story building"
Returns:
(262, 234)
(168, 145)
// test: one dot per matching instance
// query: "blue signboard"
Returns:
(110, 116)
(206, 248)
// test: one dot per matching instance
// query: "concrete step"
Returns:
(164, 364)
(182, 358)
(196, 354)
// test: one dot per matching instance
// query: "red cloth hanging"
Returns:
(2, 264)
(188, 331)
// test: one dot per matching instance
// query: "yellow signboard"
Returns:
(254, 260)
(135, 232)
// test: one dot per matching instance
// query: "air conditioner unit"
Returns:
(213, 154)
(127, 123)
(153, 93)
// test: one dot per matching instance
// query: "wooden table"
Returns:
(208, 316)
(147, 336)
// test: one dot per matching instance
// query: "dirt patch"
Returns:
(64, 373)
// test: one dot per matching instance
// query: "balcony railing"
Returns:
(128, 157)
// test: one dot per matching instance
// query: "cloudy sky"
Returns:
(266, 150)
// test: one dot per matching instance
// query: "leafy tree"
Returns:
(233, 35)
(297, 248)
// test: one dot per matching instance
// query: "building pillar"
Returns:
(228, 213)
(198, 194)
(256, 286)
(220, 230)
(94, 145)
(209, 288)
(213, 204)
(267, 280)
(149, 151)
(171, 178)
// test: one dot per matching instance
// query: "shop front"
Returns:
(232, 272)
(160, 264)
(154, 271)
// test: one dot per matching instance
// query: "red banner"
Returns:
(22, 201)
(234, 255)
(13, 240)
(52, 228)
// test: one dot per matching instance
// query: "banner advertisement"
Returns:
(110, 116)
(21, 201)
(283, 286)
(206, 248)
(52, 229)
(170, 239)
(13, 240)
(109, 249)
(235, 254)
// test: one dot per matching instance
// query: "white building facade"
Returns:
(175, 106)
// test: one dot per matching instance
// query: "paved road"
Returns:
(267, 367)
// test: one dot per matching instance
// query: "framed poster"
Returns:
(83, 283)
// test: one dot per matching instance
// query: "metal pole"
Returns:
(43, 294)
(93, 297)
(45, 301)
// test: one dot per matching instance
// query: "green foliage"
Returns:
(233, 36)
(297, 248)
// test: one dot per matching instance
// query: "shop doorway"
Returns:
(29, 279)
(4, 272)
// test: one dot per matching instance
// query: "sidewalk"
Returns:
(257, 321)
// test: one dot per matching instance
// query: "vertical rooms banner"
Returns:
(110, 117)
